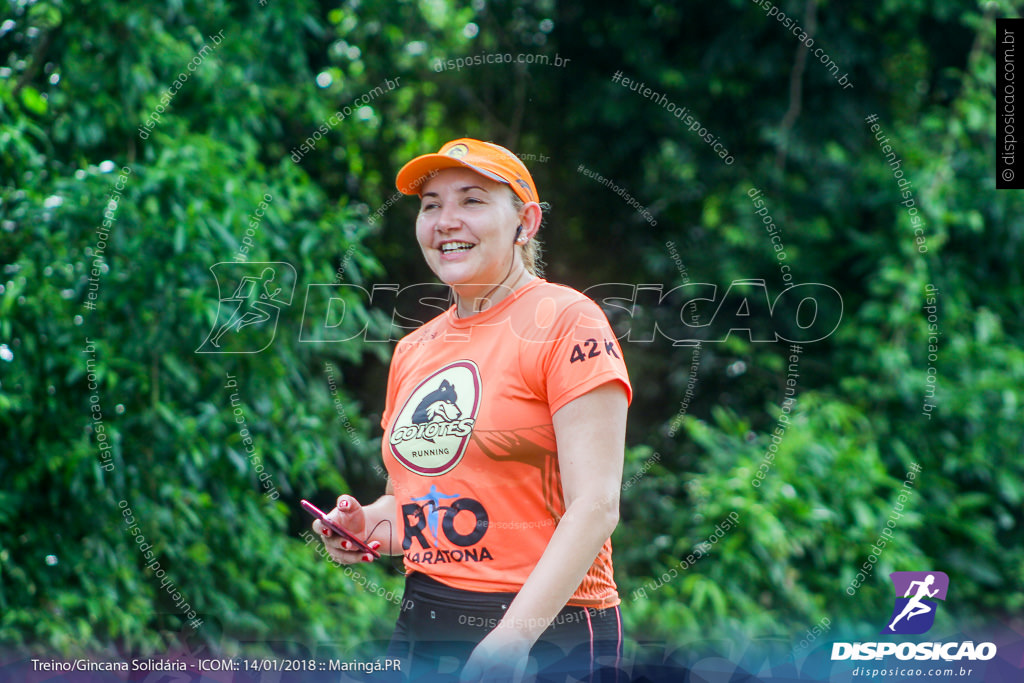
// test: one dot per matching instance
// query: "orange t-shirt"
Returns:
(469, 443)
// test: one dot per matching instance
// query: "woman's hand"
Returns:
(348, 515)
(501, 656)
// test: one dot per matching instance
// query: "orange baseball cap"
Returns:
(489, 160)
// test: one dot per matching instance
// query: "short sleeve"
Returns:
(394, 371)
(584, 355)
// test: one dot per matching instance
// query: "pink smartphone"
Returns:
(344, 533)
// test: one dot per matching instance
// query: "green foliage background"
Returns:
(80, 78)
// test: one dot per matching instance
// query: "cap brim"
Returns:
(423, 168)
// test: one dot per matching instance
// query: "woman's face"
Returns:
(466, 227)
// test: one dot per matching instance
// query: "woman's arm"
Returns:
(590, 433)
(385, 537)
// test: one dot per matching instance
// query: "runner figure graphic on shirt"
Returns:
(433, 499)
(914, 606)
(257, 307)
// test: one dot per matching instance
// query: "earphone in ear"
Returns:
(516, 240)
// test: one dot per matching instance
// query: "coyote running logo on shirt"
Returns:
(432, 430)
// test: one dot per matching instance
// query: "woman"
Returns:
(504, 430)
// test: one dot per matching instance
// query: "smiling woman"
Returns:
(504, 430)
(478, 219)
(467, 229)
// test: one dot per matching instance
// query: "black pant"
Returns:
(439, 626)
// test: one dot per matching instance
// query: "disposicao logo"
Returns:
(914, 613)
